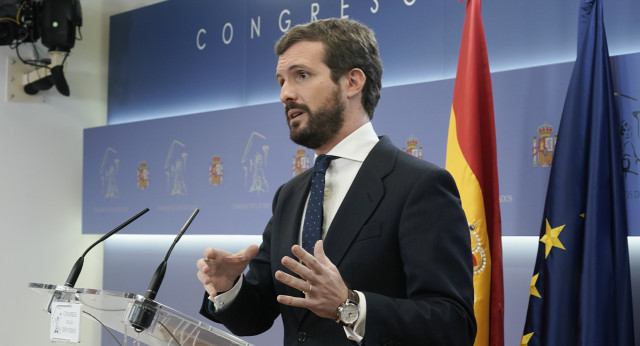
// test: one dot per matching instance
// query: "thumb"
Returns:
(251, 252)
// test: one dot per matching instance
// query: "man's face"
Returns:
(313, 103)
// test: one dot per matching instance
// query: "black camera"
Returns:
(52, 21)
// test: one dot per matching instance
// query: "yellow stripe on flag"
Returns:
(473, 205)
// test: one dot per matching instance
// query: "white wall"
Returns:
(41, 182)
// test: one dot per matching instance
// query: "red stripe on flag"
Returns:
(473, 106)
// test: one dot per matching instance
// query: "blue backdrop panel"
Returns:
(154, 58)
(255, 154)
(189, 56)
(201, 55)
(226, 163)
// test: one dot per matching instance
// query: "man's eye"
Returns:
(303, 74)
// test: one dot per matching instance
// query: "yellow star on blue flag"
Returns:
(532, 289)
(550, 238)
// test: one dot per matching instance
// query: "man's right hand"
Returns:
(219, 269)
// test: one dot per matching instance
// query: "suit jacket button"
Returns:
(302, 336)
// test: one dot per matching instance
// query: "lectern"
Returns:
(137, 318)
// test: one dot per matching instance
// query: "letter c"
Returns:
(200, 32)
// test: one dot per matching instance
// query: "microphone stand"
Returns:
(143, 312)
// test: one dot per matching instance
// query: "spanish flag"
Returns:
(471, 159)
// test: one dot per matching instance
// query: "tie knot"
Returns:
(322, 163)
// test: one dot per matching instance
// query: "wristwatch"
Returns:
(348, 311)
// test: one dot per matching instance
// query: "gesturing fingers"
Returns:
(315, 276)
(312, 267)
(297, 267)
(292, 281)
(306, 276)
(203, 268)
(219, 269)
(309, 260)
(301, 285)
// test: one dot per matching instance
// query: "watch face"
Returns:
(349, 313)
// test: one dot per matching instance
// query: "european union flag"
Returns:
(580, 291)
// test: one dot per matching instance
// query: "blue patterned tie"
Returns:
(312, 228)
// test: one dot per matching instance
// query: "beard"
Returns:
(322, 125)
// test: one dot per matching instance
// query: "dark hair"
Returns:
(348, 45)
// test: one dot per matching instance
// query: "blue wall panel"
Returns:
(257, 156)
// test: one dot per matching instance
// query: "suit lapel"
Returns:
(287, 227)
(361, 200)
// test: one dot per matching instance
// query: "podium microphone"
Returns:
(77, 267)
(143, 311)
(75, 271)
(158, 276)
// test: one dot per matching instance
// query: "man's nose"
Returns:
(287, 94)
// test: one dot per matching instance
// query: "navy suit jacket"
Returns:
(400, 237)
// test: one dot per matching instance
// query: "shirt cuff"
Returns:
(356, 332)
(220, 301)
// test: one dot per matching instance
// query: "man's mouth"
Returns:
(294, 110)
(295, 113)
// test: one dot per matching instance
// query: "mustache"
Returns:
(294, 105)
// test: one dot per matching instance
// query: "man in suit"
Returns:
(394, 265)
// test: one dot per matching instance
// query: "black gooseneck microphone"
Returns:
(143, 311)
(75, 271)
(158, 276)
(77, 267)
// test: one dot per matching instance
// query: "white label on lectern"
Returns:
(65, 322)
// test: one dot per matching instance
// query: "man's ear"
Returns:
(355, 80)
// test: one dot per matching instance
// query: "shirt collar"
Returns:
(357, 145)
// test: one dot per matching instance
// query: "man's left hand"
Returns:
(319, 280)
